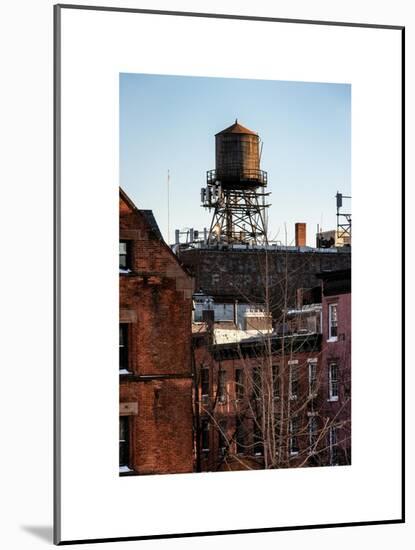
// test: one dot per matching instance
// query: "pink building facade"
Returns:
(336, 360)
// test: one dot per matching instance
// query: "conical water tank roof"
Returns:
(236, 128)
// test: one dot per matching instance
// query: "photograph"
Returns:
(225, 176)
(235, 248)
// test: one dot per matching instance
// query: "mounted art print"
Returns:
(225, 324)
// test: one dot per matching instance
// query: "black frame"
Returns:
(57, 270)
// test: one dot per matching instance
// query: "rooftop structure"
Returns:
(235, 189)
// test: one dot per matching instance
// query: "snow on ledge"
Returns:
(124, 469)
(124, 371)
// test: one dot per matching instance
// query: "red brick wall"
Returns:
(300, 234)
(156, 302)
(230, 409)
(339, 351)
(326, 413)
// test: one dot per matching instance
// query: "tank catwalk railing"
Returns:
(237, 174)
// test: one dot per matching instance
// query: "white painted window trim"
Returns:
(291, 364)
(331, 396)
(330, 306)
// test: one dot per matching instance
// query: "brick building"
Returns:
(156, 418)
(278, 396)
(336, 360)
(243, 272)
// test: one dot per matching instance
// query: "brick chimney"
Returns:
(300, 234)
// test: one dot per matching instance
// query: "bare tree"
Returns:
(283, 408)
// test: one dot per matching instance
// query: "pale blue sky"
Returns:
(169, 122)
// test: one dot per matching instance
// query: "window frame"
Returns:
(258, 442)
(221, 390)
(294, 368)
(333, 382)
(240, 437)
(256, 382)
(127, 254)
(239, 384)
(276, 385)
(333, 445)
(222, 437)
(205, 433)
(124, 368)
(333, 306)
(125, 420)
(312, 378)
(312, 432)
(293, 435)
(204, 371)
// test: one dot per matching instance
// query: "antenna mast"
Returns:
(168, 207)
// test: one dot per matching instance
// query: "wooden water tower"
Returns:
(236, 189)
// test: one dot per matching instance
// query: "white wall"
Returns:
(26, 276)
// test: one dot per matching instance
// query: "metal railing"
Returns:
(237, 174)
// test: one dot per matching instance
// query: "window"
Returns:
(222, 444)
(333, 321)
(239, 384)
(124, 441)
(333, 445)
(222, 386)
(205, 435)
(258, 442)
(125, 255)
(240, 437)
(256, 382)
(312, 432)
(204, 382)
(293, 436)
(123, 365)
(333, 382)
(276, 381)
(293, 381)
(312, 379)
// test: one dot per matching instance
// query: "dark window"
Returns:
(333, 445)
(239, 384)
(204, 375)
(125, 254)
(294, 381)
(222, 442)
(240, 437)
(294, 435)
(347, 391)
(256, 382)
(123, 347)
(276, 380)
(258, 442)
(124, 441)
(312, 378)
(312, 432)
(222, 386)
(205, 435)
